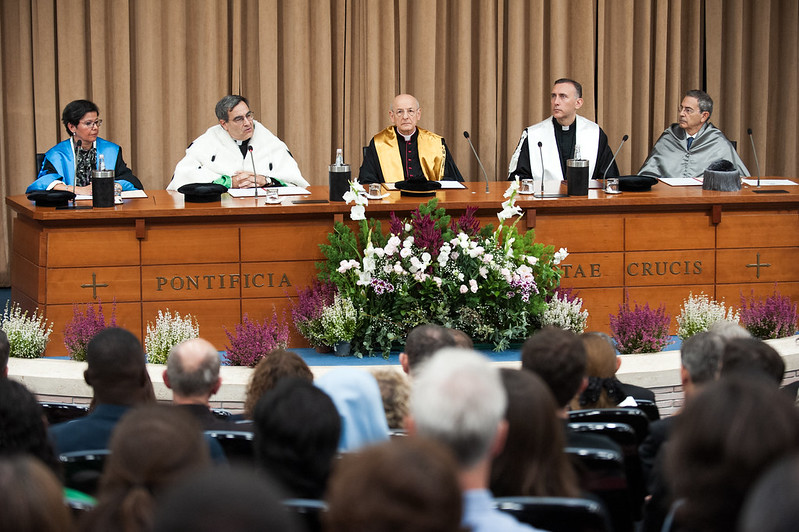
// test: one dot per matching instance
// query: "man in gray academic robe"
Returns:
(688, 147)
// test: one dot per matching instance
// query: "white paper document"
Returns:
(281, 191)
(126, 194)
(681, 181)
(769, 182)
(452, 185)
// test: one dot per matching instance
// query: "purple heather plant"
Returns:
(254, 340)
(467, 223)
(312, 300)
(83, 327)
(641, 329)
(772, 317)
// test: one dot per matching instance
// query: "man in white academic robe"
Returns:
(563, 135)
(231, 152)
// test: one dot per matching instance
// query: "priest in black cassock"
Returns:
(562, 136)
(403, 151)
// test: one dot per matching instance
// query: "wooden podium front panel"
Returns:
(183, 282)
(669, 231)
(89, 285)
(212, 315)
(29, 241)
(581, 233)
(593, 270)
(27, 278)
(276, 279)
(672, 296)
(764, 265)
(732, 293)
(282, 241)
(128, 316)
(96, 246)
(758, 229)
(601, 303)
(190, 243)
(663, 268)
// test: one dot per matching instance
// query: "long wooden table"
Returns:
(219, 261)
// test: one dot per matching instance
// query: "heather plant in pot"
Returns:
(85, 323)
(640, 329)
(772, 317)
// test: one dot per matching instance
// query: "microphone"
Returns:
(541, 154)
(466, 134)
(254, 173)
(752, 140)
(605, 174)
(75, 177)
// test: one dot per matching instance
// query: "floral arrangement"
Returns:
(640, 329)
(429, 268)
(565, 311)
(306, 311)
(253, 341)
(772, 317)
(167, 332)
(83, 326)
(339, 321)
(27, 335)
(698, 313)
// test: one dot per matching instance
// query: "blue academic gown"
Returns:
(59, 165)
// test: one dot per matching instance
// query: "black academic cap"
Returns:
(51, 198)
(202, 192)
(417, 187)
(636, 183)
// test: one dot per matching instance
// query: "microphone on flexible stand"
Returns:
(466, 134)
(605, 174)
(541, 194)
(757, 164)
(75, 177)
(254, 173)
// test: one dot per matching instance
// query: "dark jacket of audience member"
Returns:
(297, 430)
(269, 370)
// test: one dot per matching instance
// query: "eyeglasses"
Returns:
(404, 112)
(240, 119)
(92, 123)
(688, 110)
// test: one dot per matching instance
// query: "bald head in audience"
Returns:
(192, 372)
(421, 343)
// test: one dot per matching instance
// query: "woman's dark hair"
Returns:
(724, 439)
(75, 110)
(297, 429)
(152, 447)
(274, 366)
(33, 499)
(532, 463)
(22, 426)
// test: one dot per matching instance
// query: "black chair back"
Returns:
(633, 417)
(650, 408)
(557, 514)
(83, 469)
(308, 511)
(61, 412)
(237, 445)
(602, 473)
(39, 162)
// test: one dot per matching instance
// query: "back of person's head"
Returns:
(33, 499)
(773, 503)
(461, 339)
(223, 498)
(357, 398)
(297, 429)
(5, 349)
(269, 370)
(116, 367)
(752, 356)
(700, 355)
(425, 340)
(152, 447)
(193, 368)
(603, 390)
(728, 330)
(22, 428)
(721, 442)
(407, 484)
(395, 391)
(532, 462)
(457, 399)
(558, 357)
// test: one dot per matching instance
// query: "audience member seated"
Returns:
(297, 430)
(558, 357)
(728, 330)
(532, 462)
(192, 373)
(723, 440)
(268, 371)
(228, 499)
(357, 398)
(409, 485)
(457, 399)
(421, 343)
(752, 356)
(604, 389)
(152, 447)
(773, 503)
(461, 339)
(32, 500)
(5, 349)
(118, 375)
(395, 391)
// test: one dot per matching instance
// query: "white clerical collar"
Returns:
(408, 137)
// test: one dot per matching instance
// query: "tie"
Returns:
(690, 141)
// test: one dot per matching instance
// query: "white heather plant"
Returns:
(565, 314)
(339, 321)
(700, 312)
(167, 332)
(27, 335)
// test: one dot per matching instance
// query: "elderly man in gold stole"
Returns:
(404, 152)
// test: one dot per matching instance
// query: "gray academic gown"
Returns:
(671, 158)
